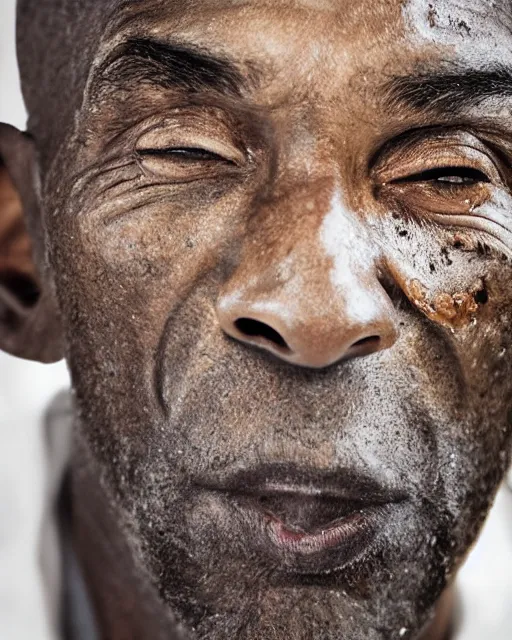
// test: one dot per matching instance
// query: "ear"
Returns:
(29, 319)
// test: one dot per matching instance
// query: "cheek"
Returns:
(461, 285)
(486, 349)
(447, 275)
(165, 232)
(134, 261)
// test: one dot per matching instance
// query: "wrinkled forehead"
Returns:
(289, 41)
(477, 30)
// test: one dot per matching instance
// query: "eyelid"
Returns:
(183, 135)
(444, 150)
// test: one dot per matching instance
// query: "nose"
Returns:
(308, 335)
(312, 305)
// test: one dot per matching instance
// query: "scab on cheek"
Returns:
(452, 310)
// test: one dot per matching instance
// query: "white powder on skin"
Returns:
(465, 26)
(340, 233)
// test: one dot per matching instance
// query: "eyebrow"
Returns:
(173, 66)
(449, 92)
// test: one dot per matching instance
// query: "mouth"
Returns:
(306, 520)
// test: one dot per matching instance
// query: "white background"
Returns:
(25, 390)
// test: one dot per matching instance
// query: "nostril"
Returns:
(257, 329)
(369, 342)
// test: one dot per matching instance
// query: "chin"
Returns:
(225, 574)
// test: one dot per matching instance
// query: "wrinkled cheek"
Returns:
(460, 284)
(482, 448)
(124, 277)
(484, 344)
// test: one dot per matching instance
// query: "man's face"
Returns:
(327, 182)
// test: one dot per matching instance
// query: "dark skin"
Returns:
(273, 242)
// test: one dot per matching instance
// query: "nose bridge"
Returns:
(284, 254)
(306, 287)
(353, 257)
(325, 261)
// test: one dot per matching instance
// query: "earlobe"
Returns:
(29, 319)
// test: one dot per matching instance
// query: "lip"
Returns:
(306, 520)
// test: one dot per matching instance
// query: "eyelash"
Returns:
(187, 154)
(449, 178)
(467, 175)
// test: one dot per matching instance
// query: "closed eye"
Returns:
(187, 154)
(448, 176)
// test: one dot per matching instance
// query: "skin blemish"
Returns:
(461, 242)
(446, 257)
(481, 296)
(453, 310)
(463, 25)
(432, 16)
